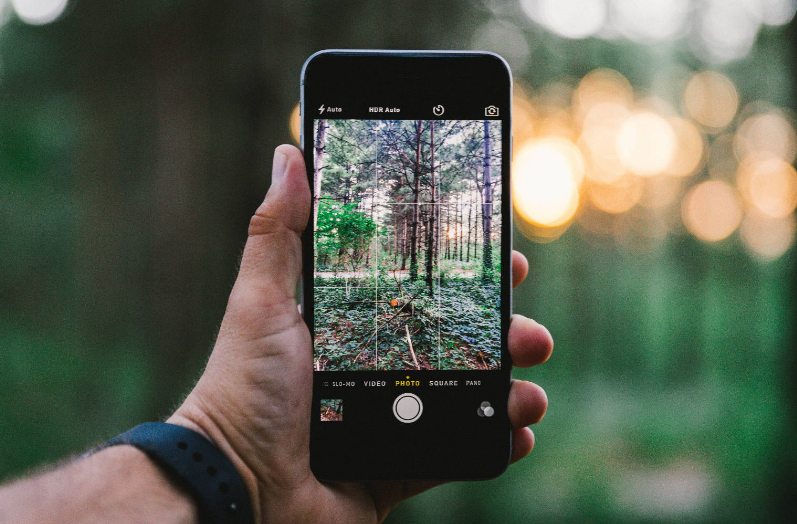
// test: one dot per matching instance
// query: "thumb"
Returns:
(272, 260)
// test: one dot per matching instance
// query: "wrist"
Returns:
(191, 417)
(140, 478)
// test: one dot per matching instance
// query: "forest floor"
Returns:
(399, 273)
(402, 325)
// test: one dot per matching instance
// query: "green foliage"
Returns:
(343, 234)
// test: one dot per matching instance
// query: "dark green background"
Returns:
(135, 142)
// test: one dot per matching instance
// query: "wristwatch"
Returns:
(197, 464)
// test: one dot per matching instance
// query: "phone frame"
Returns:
(411, 69)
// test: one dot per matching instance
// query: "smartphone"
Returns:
(407, 253)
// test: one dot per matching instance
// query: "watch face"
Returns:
(407, 260)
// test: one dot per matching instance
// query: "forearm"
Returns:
(119, 484)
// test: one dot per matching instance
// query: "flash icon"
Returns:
(321, 109)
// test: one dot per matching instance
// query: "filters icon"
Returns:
(485, 410)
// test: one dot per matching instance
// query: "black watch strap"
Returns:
(193, 461)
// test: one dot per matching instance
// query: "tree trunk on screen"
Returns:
(395, 237)
(487, 208)
(404, 243)
(470, 213)
(430, 230)
(320, 142)
(416, 193)
(448, 228)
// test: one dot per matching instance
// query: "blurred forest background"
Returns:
(654, 197)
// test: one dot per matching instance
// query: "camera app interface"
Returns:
(407, 229)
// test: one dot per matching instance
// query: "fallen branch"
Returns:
(386, 323)
(409, 341)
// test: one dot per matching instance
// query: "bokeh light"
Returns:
(557, 122)
(767, 134)
(726, 30)
(39, 12)
(599, 87)
(769, 185)
(646, 143)
(689, 148)
(660, 191)
(650, 20)
(778, 12)
(711, 99)
(623, 164)
(600, 129)
(522, 118)
(711, 210)
(617, 197)
(568, 18)
(766, 237)
(545, 183)
(295, 124)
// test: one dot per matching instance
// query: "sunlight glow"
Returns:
(711, 211)
(545, 185)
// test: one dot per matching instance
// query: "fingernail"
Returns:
(278, 168)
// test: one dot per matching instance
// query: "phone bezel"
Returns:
(396, 68)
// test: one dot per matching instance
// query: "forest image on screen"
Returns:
(407, 233)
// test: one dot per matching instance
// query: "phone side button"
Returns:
(407, 408)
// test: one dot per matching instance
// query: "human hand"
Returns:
(253, 400)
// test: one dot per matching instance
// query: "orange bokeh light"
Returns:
(689, 147)
(711, 210)
(768, 185)
(646, 143)
(617, 197)
(295, 125)
(767, 134)
(711, 99)
(766, 237)
(547, 174)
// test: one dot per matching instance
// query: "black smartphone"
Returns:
(407, 254)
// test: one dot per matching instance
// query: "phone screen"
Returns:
(407, 245)
(407, 291)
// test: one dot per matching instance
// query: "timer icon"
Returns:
(438, 110)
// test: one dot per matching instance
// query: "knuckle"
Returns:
(263, 223)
